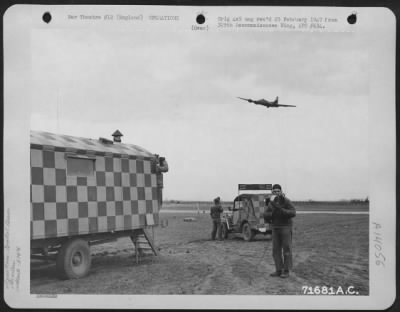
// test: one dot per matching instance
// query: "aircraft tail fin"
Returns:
(276, 100)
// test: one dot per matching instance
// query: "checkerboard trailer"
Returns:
(246, 215)
(86, 192)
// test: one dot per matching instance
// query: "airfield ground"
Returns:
(329, 250)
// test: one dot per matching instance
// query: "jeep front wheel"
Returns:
(248, 233)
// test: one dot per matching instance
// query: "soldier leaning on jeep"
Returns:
(215, 213)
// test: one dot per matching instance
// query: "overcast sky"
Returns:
(175, 94)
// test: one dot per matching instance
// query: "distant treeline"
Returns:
(353, 205)
(332, 203)
(308, 202)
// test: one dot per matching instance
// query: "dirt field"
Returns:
(329, 250)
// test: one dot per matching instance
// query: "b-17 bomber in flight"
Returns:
(266, 103)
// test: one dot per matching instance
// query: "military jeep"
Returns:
(246, 215)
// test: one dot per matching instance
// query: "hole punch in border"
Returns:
(46, 17)
(200, 19)
(352, 18)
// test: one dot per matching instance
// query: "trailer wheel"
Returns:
(224, 231)
(248, 233)
(74, 259)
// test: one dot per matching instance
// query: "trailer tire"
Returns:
(224, 231)
(74, 259)
(248, 233)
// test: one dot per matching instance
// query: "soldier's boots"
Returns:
(285, 274)
(276, 274)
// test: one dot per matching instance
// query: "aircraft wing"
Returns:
(285, 105)
(248, 100)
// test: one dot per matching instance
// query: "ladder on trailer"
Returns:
(142, 242)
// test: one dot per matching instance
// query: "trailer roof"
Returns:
(63, 142)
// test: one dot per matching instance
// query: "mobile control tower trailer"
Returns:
(247, 214)
(86, 192)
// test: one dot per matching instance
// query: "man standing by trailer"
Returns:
(215, 212)
(280, 212)
(161, 167)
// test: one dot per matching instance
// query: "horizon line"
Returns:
(293, 200)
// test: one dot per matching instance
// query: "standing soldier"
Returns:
(215, 212)
(161, 166)
(280, 212)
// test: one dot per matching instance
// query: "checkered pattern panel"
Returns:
(259, 206)
(120, 194)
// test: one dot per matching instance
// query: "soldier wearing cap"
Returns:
(280, 212)
(161, 167)
(215, 212)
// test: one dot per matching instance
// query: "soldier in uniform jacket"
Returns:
(215, 212)
(161, 167)
(280, 212)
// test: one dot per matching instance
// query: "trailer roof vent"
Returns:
(117, 136)
(105, 141)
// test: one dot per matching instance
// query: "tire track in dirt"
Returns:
(221, 279)
(237, 267)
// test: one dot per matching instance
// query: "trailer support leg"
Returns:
(135, 241)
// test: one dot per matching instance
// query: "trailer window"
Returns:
(80, 167)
